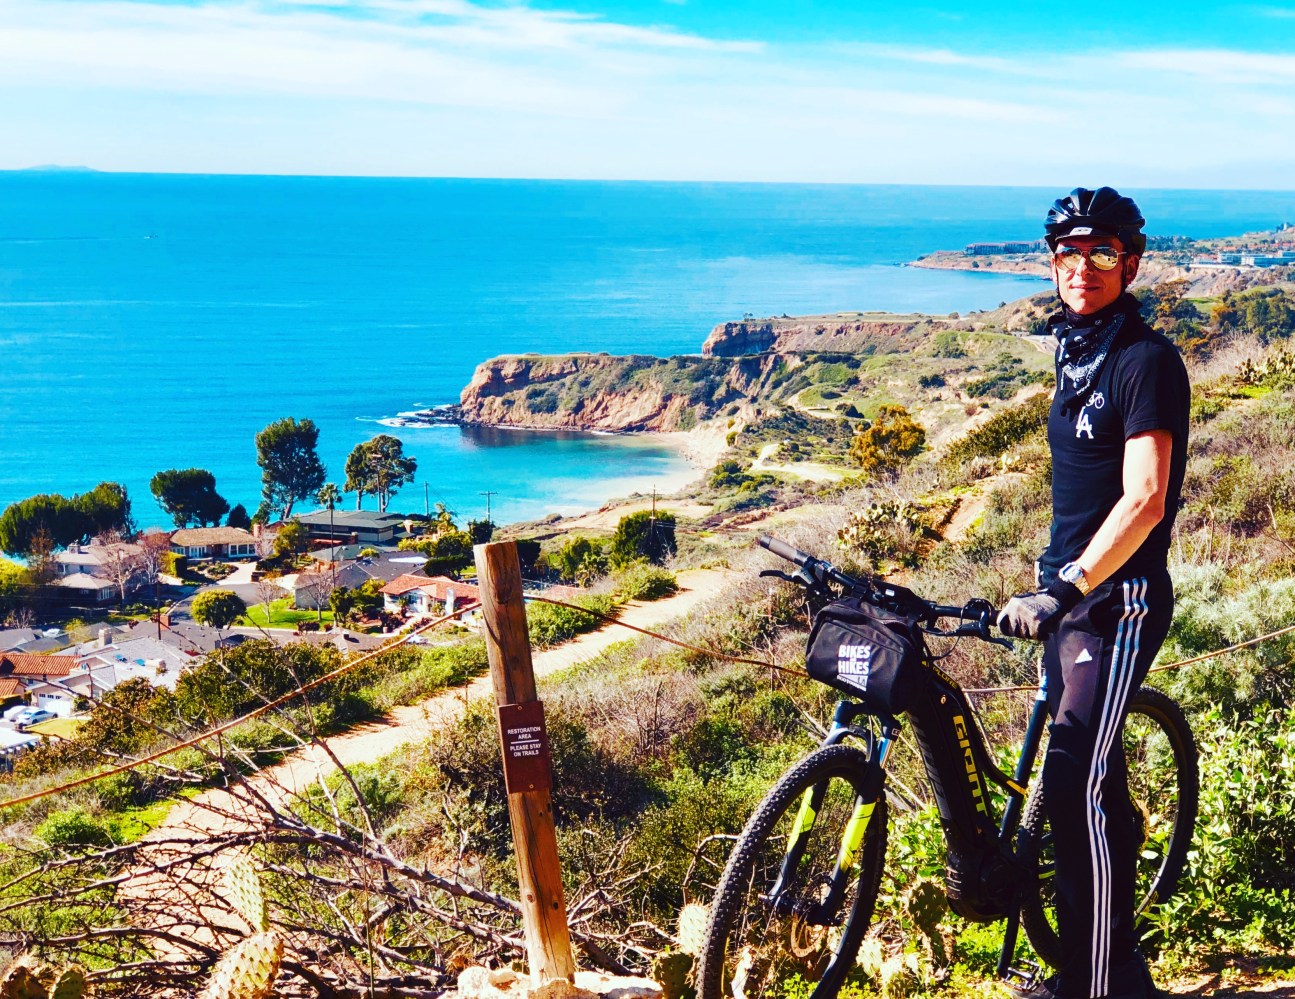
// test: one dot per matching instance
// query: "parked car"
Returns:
(32, 716)
(12, 713)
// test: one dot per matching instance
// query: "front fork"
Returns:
(856, 829)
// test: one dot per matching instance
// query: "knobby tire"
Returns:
(1164, 783)
(754, 946)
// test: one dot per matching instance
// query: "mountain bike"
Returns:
(798, 892)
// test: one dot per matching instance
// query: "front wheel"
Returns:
(1164, 785)
(797, 894)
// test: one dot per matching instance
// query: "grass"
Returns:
(283, 615)
(61, 728)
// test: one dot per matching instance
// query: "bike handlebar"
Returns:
(975, 616)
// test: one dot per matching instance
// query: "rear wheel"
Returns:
(1164, 787)
(798, 892)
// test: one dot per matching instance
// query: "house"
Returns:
(311, 589)
(199, 544)
(90, 574)
(82, 588)
(40, 679)
(423, 596)
(362, 527)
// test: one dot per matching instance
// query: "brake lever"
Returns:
(779, 574)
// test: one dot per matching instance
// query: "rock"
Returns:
(504, 983)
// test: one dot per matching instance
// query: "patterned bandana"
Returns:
(1082, 345)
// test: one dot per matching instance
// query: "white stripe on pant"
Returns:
(1123, 662)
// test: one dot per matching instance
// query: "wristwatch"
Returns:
(1074, 575)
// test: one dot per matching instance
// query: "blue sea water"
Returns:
(157, 321)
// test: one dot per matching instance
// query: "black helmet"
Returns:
(1104, 212)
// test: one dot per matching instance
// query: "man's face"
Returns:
(1086, 289)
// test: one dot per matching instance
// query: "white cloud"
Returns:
(453, 86)
(1223, 66)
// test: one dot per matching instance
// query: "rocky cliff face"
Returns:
(842, 332)
(605, 392)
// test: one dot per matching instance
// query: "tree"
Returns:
(579, 560)
(330, 496)
(238, 518)
(449, 553)
(444, 518)
(119, 562)
(45, 520)
(481, 531)
(291, 540)
(218, 608)
(643, 535)
(189, 497)
(15, 587)
(107, 509)
(379, 467)
(890, 442)
(287, 451)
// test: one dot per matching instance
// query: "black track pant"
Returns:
(1097, 658)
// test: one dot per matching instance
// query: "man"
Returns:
(1117, 430)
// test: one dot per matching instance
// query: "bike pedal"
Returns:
(1027, 975)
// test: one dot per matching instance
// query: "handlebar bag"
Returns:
(870, 654)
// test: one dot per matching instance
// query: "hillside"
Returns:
(391, 874)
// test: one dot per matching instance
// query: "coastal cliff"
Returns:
(839, 332)
(603, 392)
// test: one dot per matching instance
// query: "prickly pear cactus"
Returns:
(248, 971)
(900, 976)
(25, 978)
(69, 983)
(925, 904)
(670, 970)
(872, 955)
(243, 892)
(692, 928)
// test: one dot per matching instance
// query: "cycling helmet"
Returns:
(1104, 212)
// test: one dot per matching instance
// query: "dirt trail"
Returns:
(217, 811)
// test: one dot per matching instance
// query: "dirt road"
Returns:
(217, 811)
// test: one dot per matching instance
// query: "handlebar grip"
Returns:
(784, 550)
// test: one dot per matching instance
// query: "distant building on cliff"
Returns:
(1015, 246)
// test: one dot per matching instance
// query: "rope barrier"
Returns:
(226, 726)
(712, 653)
(966, 690)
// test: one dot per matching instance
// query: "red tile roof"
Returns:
(27, 665)
(9, 687)
(442, 586)
(404, 584)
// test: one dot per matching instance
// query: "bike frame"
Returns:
(878, 748)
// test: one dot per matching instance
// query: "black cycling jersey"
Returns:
(1141, 385)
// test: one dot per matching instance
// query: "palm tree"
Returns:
(330, 496)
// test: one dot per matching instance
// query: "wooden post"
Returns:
(528, 772)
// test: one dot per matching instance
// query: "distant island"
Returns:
(56, 168)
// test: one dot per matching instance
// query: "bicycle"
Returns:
(797, 895)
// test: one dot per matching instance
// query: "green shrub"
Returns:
(73, 827)
(1239, 889)
(550, 625)
(1001, 431)
(641, 580)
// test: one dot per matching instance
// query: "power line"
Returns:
(487, 493)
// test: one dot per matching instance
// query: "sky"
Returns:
(840, 91)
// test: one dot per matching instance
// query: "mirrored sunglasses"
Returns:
(1104, 258)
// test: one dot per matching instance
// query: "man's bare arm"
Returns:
(1146, 482)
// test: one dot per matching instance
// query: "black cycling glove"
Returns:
(1035, 615)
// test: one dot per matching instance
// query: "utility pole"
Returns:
(487, 493)
(652, 528)
(427, 506)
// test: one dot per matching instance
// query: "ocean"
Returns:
(159, 321)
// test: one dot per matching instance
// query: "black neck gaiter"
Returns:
(1083, 341)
